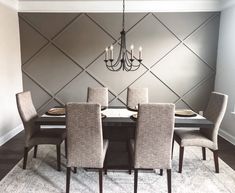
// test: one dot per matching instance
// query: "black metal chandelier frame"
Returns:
(123, 61)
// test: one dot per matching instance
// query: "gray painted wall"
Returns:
(10, 72)
(62, 54)
(225, 79)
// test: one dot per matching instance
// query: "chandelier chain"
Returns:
(123, 16)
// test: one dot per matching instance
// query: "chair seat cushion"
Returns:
(48, 136)
(192, 138)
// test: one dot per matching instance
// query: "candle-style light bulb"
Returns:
(140, 53)
(111, 53)
(132, 48)
(106, 53)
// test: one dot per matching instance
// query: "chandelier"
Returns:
(125, 59)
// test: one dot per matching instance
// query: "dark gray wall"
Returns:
(62, 54)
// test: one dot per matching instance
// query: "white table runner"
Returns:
(118, 112)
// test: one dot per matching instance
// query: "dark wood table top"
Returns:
(128, 121)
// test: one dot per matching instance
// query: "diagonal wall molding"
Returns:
(69, 38)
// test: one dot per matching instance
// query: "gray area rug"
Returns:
(41, 176)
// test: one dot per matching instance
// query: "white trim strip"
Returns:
(227, 136)
(116, 6)
(11, 134)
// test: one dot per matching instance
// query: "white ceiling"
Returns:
(116, 5)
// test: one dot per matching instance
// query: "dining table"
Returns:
(122, 116)
(119, 125)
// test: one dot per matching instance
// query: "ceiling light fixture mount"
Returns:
(123, 62)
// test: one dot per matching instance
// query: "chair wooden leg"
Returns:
(129, 156)
(216, 160)
(25, 157)
(169, 180)
(135, 180)
(75, 170)
(181, 156)
(105, 165)
(203, 153)
(68, 179)
(58, 157)
(161, 172)
(65, 148)
(35, 151)
(101, 180)
(172, 149)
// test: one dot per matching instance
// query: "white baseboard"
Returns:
(227, 136)
(10, 134)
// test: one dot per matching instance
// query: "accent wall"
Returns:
(63, 54)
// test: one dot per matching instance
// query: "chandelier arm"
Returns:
(132, 63)
(129, 64)
(121, 54)
(118, 59)
(113, 67)
(127, 61)
(110, 66)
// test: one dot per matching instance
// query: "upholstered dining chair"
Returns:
(98, 95)
(136, 96)
(151, 148)
(86, 147)
(204, 137)
(35, 136)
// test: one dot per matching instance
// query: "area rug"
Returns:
(41, 176)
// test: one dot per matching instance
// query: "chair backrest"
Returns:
(136, 96)
(215, 112)
(154, 135)
(98, 95)
(84, 135)
(27, 113)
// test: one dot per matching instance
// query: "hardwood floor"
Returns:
(12, 152)
(227, 152)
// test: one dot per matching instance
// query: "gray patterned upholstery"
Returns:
(33, 134)
(193, 138)
(98, 95)
(136, 96)
(86, 147)
(28, 114)
(206, 137)
(154, 135)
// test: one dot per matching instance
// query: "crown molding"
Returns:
(10, 3)
(116, 6)
(228, 4)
